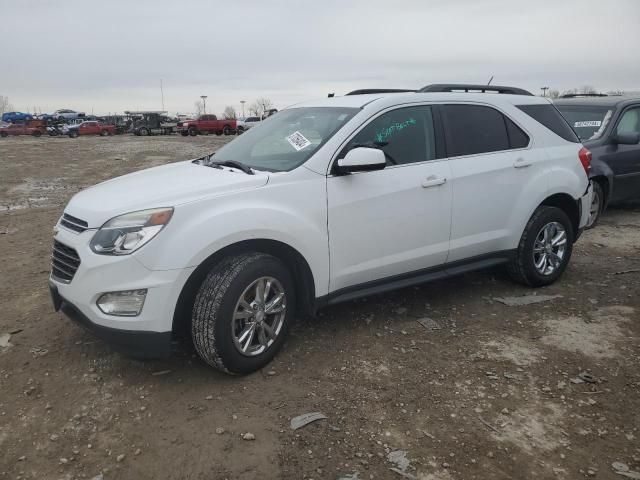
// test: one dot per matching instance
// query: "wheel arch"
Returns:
(292, 258)
(568, 205)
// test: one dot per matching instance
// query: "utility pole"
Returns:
(544, 91)
(162, 95)
(243, 102)
(204, 103)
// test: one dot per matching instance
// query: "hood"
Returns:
(164, 186)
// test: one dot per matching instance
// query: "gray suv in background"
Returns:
(609, 126)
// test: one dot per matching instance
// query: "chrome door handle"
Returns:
(433, 181)
(522, 163)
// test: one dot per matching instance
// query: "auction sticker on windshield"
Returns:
(592, 123)
(298, 141)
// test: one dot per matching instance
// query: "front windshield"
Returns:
(285, 140)
(588, 121)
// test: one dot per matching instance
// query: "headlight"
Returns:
(127, 233)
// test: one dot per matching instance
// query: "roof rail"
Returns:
(464, 87)
(366, 91)
(578, 95)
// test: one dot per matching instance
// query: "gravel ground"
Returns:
(440, 381)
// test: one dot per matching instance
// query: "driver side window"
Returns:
(405, 135)
(630, 122)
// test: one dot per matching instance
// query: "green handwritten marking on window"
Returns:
(392, 129)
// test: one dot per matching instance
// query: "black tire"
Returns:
(184, 133)
(597, 205)
(73, 134)
(144, 132)
(103, 133)
(37, 133)
(193, 131)
(4, 134)
(215, 304)
(522, 268)
(226, 130)
(218, 132)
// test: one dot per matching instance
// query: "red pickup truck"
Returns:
(31, 127)
(91, 128)
(206, 124)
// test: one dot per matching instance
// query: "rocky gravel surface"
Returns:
(465, 378)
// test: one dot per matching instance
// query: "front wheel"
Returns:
(37, 133)
(143, 132)
(597, 204)
(104, 133)
(242, 312)
(4, 134)
(193, 132)
(73, 134)
(544, 249)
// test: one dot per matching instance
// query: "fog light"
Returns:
(127, 303)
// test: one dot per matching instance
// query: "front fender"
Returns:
(293, 214)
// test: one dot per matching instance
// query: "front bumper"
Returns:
(135, 343)
(145, 335)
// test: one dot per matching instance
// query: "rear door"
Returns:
(393, 221)
(491, 160)
(625, 159)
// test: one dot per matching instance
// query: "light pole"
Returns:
(242, 102)
(544, 91)
(204, 103)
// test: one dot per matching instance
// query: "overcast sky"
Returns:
(106, 56)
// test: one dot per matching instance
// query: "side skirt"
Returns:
(415, 278)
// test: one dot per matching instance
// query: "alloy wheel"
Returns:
(549, 248)
(259, 316)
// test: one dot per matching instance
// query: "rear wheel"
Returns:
(544, 249)
(4, 134)
(597, 204)
(37, 133)
(144, 131)
(242, 312)
(226, 130)
(104, 133)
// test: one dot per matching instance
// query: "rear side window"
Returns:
(550, 117)
(473, 129)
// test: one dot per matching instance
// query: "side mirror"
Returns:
(362, 159)
(627, 138)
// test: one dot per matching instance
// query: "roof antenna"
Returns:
(490, 80)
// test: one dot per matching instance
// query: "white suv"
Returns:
(325, 202)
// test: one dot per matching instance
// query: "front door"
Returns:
(393, 221)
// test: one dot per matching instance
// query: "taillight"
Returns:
(585, 159)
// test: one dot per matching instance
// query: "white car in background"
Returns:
(245, 124)
(328, 201)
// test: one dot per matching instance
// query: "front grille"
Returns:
(64, 262)
(73, 223)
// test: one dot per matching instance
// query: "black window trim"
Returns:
(441, 153)
(497, 108)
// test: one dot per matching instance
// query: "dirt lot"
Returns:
(436, 382)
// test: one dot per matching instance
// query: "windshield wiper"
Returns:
(232, 163)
